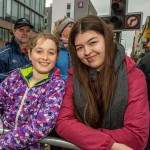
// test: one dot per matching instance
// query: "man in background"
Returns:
(144, 65)
(14, 54)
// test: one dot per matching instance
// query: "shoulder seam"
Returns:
(5, 50)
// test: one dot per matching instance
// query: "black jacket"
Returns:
(11, 58)
(144, 65)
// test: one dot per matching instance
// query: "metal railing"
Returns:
(52, 141)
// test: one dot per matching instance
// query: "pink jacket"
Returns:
(136, 119)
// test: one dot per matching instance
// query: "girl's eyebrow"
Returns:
(38, 48)
(43, 49)
(87, 41)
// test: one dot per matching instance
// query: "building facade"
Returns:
(141, 42)
(11, 10)
(71, 8)
(48, 19)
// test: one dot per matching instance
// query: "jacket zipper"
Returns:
(20, 108)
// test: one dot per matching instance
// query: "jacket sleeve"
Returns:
(3, 76)
(76, 132)
(136, 120)
(3, 66)
(37, 128)
(3, 90)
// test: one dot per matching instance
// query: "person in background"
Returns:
(109, 23)
(14, 54)
(62, 30)
(144, 65)
(31, 96)
(106, 103)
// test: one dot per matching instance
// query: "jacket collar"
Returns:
(27, 72)
(15, 43)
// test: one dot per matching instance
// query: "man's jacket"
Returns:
(11, 57)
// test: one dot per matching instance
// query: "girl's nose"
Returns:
(87, 50)
(45, 56)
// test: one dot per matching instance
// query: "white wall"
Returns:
(59, 10)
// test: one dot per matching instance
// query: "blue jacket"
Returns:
(11, 58)
(63, 62)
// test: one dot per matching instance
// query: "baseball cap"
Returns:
(22, 22)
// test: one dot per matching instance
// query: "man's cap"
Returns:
(22, 22)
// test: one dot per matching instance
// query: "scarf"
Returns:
(114, 116)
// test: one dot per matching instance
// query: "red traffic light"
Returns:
(117, 21)
(117, 8)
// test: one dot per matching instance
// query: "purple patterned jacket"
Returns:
(29, 113)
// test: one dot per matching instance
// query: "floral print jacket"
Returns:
(30, 113)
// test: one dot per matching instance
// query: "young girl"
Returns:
(31, 96)
(106, 105)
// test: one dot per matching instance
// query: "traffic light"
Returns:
(118, 11)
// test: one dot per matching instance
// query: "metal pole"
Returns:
(118, 37)
(52, 141)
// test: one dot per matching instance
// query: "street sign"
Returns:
(133, 20)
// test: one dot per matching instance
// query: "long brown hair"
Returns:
(99, 93)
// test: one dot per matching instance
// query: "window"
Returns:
(1, 8)
(37, 8)
(1, 33)
(41, 7)
(14, 11)
(68, 14)
(22, 1)
(8, 10)
(33, 17)
(27, 14)
(42, 24)
(68, 6)
(27, 2)
(33, 4)
(22, 11)
(36, 25)
(4, 35)
(45, 20)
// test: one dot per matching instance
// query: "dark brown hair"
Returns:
(97, 101)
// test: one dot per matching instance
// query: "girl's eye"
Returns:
(92, 42)
(39, 52)
(52, 52)
(78, 48)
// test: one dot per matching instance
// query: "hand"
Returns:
(118, 146)
(64, 41)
